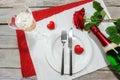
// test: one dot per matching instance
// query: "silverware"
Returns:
(63, 40)
(70, 47)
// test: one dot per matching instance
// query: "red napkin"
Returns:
(27, 67)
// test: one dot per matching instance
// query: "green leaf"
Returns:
(115, 38)
(118, 21)
(88, 25)
(118, 25)
(97, 23)
(93, 18)
(96, 13)
(103, 13)
(97, 6)
(96, 17)
(111, 30)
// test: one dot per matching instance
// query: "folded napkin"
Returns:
(27, 67)
(32, 45)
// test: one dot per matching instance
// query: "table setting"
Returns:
(52, 47)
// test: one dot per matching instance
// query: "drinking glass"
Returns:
(21, 18)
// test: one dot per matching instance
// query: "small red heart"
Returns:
(78, 49)
(51, 25)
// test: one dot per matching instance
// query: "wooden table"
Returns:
(9, 55)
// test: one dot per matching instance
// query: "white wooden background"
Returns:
(9, 55)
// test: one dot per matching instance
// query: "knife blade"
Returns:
(70, 48)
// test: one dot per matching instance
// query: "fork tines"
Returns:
(63, 37)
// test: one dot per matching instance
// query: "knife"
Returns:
(70, 48)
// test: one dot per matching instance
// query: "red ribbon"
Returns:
(41, 14)
(27, 67)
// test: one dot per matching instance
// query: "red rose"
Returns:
(78, 19)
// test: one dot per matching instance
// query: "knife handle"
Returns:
(62, 65)
(70, 62)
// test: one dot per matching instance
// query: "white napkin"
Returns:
(38, 44)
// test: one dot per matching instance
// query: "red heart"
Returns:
(51, 25)
(78, 49)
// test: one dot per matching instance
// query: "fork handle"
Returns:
(62, 65)
(70, 62)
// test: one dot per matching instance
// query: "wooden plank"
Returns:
(13, 74)
(5, 31)
(4, 3)
(114, 12)
(112, 2)
(7, 38)
(8, 42)
(9, 58)
(100, 75)
(10, 74)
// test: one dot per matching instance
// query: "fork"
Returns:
(63, 41)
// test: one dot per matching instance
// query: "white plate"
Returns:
(81, 61)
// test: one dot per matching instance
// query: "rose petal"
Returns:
(78, 19)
